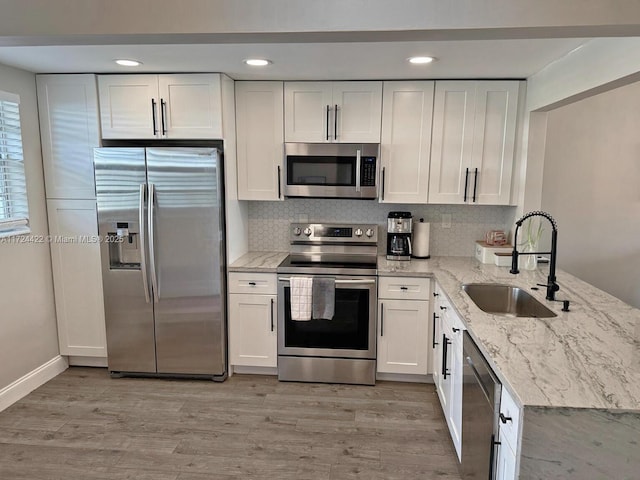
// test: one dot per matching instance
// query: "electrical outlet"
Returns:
(446, 220)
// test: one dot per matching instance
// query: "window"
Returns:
(14, 208)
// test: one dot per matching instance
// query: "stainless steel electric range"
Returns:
(343, 349)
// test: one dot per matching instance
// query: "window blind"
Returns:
(14, 207)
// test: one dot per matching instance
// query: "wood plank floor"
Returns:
(84, 425)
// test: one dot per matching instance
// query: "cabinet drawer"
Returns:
(250, 282)
(404, 288)
(509, 428)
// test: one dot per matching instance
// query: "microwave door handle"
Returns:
(358, 155)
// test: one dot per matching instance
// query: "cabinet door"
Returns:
(452, 141)
(436, 337)
(455, 405)
(77, 277)
(252, 330)
(407, 110)
(259, 124)
(128, 106)
(403, 336)
(190, 106)
(493, 142)
(308, 112)
(68, 109)
(506, 463)
(444, 392)
(357, 112)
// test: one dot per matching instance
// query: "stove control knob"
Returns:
(297, 231)
(307, 231)
(369, 232)
(358, 232)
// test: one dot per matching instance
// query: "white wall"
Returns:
(599, 65)
(28, 334)
(591, 185)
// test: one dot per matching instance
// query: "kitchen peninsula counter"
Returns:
(577, 375)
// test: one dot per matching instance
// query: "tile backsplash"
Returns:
(269, 221)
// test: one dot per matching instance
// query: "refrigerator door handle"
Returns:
(143, 242)
(152, 253)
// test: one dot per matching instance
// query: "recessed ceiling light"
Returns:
(421, 60)
(128, 63)
(257, 62)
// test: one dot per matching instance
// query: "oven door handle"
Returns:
(339, 282)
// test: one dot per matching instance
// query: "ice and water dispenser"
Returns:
(124, 245)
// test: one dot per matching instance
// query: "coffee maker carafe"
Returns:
(399, 236)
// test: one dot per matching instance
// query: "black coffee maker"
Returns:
(399, 236)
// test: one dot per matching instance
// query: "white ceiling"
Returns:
(513, 58)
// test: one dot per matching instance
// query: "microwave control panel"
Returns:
(368, 172)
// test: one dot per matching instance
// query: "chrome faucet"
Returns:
(552, 286)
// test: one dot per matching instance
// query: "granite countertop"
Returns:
(266, 262)
(588, 357)
(585, 358)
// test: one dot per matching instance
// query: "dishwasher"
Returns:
(481, 391)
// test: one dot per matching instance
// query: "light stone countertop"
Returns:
(264, 262)
(588, 357)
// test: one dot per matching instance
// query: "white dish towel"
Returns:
(301, 288)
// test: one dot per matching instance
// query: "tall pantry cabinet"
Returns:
(69, 125)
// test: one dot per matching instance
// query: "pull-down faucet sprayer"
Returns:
(552, 286)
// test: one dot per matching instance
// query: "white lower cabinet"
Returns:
(510, 418)
(448, 357)
(454, 418)
(252, 320)
(77, 274)
(506, 463)
(403, 325)
(402, 336)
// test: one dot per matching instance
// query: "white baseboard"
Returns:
(403, 377)
(242, 370)
(32, 380)
(76, 361)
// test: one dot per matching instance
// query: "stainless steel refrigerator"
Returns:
(161, 218)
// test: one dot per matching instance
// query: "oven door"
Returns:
(331, 170)
(350, 334)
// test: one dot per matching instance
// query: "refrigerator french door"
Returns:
(161, 218)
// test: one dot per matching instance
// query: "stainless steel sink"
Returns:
(506, 300)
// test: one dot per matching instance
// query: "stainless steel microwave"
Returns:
(331, 170)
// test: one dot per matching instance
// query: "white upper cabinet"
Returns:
(407, 111)
(472, 148)
(339, 112)
(190, 105)
(160, 106)
(494, 135)
(260, 136)
(69, 126)
(129, 106)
